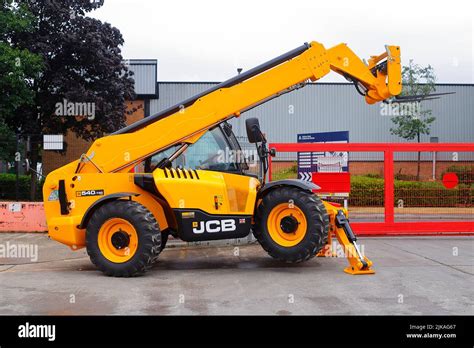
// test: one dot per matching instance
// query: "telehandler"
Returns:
(183, 188)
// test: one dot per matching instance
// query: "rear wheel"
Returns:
(123, 239)
(291, 224)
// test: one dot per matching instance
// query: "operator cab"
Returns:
(217, 150)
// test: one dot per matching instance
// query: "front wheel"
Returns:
(291, 224)
(123, 239)
(164, 239)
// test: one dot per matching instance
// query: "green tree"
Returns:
(7, 143)
(18, 66)
(82, 64)
(415, 121)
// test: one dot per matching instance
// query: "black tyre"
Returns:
(123, 239)
(291, 224)
(164, 239)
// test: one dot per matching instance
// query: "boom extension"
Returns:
(188, 121)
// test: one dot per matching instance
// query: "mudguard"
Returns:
(304, 185)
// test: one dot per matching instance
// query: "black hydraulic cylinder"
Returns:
(342, 222)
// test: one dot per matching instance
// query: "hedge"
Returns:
(366, 191)
(7, 188)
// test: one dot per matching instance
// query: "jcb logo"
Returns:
(213, 226)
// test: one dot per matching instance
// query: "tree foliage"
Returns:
(19, 67)
(415, 121)
(82, 64)
(7, 143)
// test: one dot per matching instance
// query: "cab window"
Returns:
(210, 152)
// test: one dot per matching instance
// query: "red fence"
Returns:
(426, 205)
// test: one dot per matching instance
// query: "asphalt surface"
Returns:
(430, 275)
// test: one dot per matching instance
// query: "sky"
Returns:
(207, 40)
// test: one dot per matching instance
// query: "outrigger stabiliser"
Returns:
(359, 264)
(340, 227)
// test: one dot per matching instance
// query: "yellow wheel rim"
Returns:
(284, 236)
(118, 240)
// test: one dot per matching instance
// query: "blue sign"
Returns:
(332, 161)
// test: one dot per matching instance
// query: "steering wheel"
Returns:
(202, 164)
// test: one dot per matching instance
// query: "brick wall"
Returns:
(405, 167)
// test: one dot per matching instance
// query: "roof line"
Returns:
(141, 59)
(311, 83)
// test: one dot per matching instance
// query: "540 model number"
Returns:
(88, 193)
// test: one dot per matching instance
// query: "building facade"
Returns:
(324, 107)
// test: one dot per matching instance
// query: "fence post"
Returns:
(389, 186)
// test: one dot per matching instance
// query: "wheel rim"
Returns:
(287, 224)
(118, 240)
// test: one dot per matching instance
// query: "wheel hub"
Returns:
(289, 224)
(120, 240)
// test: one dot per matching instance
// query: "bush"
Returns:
(286, 173)
(7, 187)
(405, 177)
(366, 191)
(373, 175)
(431, 194)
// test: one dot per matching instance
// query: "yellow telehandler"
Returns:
(165, 174)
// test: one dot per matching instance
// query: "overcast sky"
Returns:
(207, 40)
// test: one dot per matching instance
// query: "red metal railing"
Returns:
(390, 226)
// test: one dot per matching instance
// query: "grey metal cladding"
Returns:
(144, 74)
(324, 107)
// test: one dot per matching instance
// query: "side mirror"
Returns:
(253, 130)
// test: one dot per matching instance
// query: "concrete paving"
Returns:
(413, 276)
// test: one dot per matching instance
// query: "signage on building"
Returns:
(53, 142)
(322, 162)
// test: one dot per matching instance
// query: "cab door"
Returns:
(210, 195)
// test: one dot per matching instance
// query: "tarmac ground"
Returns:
(414, 276)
